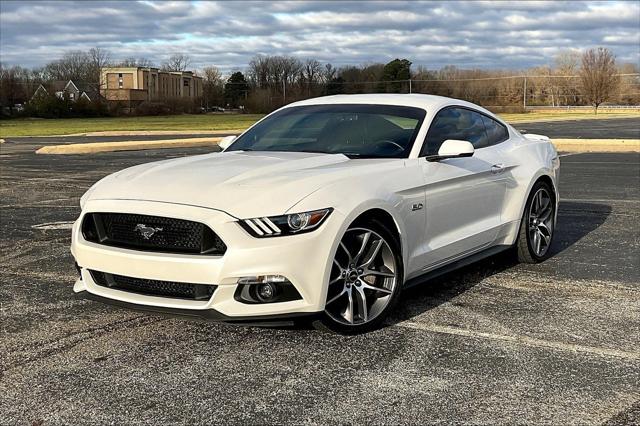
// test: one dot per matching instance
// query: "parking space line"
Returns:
(570, 154)
(54, 225)
(598, 200)
(522, 340)
(604, 162)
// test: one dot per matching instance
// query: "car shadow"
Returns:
(575, 221)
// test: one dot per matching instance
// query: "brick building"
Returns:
(134, 85)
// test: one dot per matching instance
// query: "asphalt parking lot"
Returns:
(619, 128)
(495, 342)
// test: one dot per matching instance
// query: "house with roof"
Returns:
(70, 89)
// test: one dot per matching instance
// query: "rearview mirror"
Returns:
(226, 141)
(452, 148)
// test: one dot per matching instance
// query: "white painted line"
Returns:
(54, 225)
(597, 200)
(604, 162)
(571, 153)
(522, 340)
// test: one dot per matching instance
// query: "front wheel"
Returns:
(537, 226)
(366, 279)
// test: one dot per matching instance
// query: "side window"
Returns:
(473, 130)
(455, 123)
(496, 132)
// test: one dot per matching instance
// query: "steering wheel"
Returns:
(396, 147)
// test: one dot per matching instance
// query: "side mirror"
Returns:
(226, 141)
(452, 148)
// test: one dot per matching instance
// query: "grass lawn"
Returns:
(47, 127)
(65, 126)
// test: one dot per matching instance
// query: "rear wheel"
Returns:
(537, 225)
(366, 279)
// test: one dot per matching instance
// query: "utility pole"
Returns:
(284, 91)
(524, 94)
(409, 85)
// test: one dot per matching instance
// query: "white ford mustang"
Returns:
(326, 208)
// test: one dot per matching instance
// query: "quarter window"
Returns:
(496, 132)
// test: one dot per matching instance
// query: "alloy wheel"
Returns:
(363, 279)
(540, 222)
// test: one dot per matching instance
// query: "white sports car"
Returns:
(327, 208)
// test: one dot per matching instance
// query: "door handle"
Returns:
(497, 169)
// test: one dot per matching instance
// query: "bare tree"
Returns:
(598, 76)
(74, 65)
(135, 62)
(567, 63)
(259, 70)
(213, 86)
(177, 62)
(98, 58)
(329, 73)
(311, 73)
(17, 84)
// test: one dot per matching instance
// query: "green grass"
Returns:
(65, 126)
(203, 122)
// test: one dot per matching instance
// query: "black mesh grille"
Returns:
(151, 233)
(153, 287)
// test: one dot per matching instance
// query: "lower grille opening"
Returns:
(147, 287)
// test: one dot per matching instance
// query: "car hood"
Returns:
(242, 184)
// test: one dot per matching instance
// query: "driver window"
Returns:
(455, 123)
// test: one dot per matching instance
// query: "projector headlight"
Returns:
(288, 224)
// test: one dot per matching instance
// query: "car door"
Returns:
(464, 196)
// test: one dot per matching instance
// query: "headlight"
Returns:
(288, 224)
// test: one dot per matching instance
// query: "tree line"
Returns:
(589, 78)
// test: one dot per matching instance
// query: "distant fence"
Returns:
(503, 92)
(634, 108)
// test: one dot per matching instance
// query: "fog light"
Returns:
(266, 292)
(265, 289)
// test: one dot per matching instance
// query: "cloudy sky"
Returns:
(227, 34)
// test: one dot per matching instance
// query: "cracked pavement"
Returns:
(495, 342)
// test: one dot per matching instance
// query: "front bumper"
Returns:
(206, 314)
(304, 259)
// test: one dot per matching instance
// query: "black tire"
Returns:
(327, 323)
(524, 246)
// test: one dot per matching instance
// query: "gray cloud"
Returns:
(227, 34)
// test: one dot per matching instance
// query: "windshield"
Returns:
(358, 131)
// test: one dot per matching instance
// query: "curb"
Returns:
(91, 148)
(597, 145)
(564, 145)
(185, 132)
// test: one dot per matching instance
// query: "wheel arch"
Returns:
(542, 176)
(387, 219)
(382, 216)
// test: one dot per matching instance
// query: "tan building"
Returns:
(137, 84)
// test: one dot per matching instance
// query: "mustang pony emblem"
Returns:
(146, 231)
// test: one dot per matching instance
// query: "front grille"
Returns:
(151, 233)
(148, 287)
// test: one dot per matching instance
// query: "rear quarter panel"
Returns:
(530, 160)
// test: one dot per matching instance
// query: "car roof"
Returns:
(431, 103)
